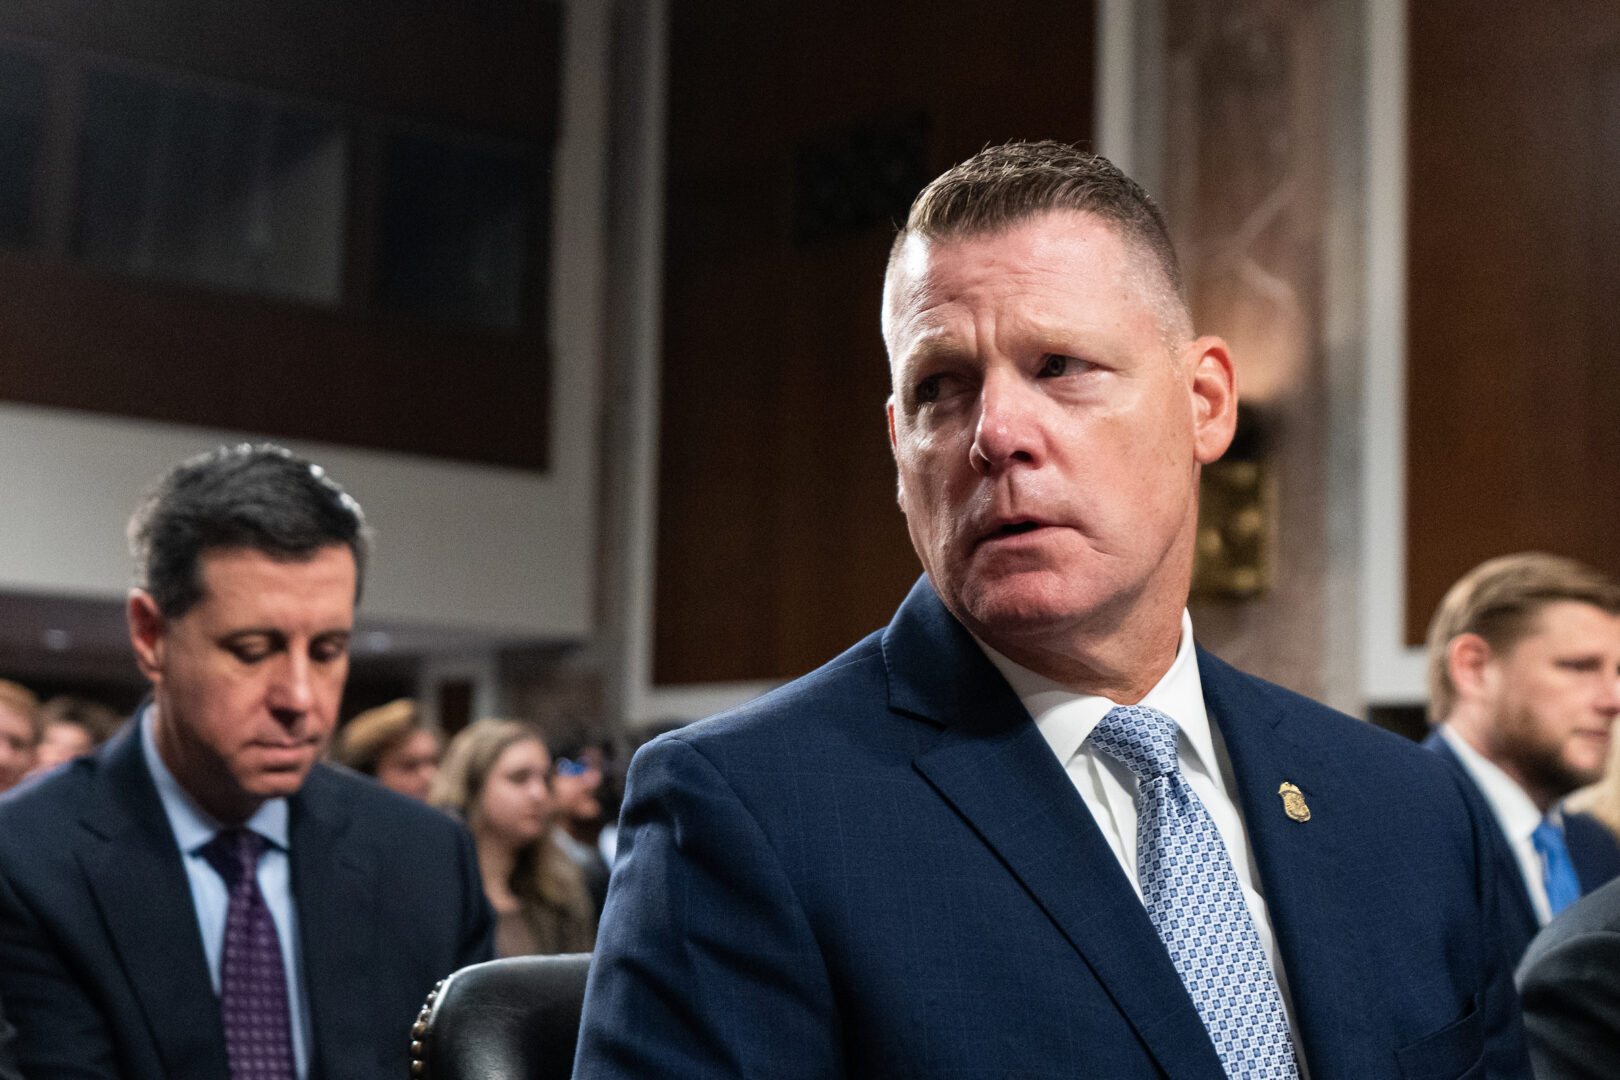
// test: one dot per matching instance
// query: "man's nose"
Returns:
(1610, 701)
(1009, 429)
(292, 693)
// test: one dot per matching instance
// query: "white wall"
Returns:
(1391, 673)
(491, 550)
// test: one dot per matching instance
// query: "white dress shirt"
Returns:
(1516, 815)
(193, 828)
(1065, 718)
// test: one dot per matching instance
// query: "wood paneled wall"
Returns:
(1513, 373)
(354, 372)
(779, 541)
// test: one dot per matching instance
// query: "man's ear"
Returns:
(1215, 397)
(147, 628)
(1469, 660)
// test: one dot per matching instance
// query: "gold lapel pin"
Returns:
(1294, 802)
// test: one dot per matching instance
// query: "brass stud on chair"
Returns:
(419, 1031)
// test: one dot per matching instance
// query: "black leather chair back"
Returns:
(512, 1019)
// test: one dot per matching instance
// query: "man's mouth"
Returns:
(1005, 530)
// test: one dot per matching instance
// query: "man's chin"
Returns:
(1017, 610)
(276, 782)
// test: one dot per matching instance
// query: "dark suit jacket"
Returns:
(8, 1058)
(881, 870)
(1570, 982)
(1592, 848)
(102, 967)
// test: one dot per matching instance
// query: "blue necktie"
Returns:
(1196, 904)
(1558, 873)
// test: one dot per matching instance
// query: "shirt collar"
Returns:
(1514, 809)
(1065, 718)
(193, 826)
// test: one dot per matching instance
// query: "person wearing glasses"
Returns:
(577, 775)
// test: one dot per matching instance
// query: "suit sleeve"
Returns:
(60, 1032)
(477, 937)
(1505, 1054)
(705, 962)
(1571, 997)
(8, 1056)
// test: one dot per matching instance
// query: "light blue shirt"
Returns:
(193, 828)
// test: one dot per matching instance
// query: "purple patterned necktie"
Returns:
(252, 979)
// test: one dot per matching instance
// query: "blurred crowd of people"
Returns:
(542, 823)
(36, 737)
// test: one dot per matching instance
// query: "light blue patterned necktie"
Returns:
(1193, 896)
(1558, 872)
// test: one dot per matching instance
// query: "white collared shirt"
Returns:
(193, 828)
(1065, 718)
(1516, 815)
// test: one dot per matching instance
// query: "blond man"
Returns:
(1524, 685)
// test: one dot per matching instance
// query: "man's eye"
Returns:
(927, 391)
(1054, 366)
(327, 651)
(250, 654)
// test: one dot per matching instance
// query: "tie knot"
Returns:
(234, 853)
(1548, 837)
(1138, 737)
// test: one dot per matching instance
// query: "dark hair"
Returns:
(1001, 186)
(261, 497)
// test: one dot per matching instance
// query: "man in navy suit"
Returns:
(1524, 685)
(127, 947)
(932, 858)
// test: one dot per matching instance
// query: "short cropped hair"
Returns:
(371, 736)
(262, 497)
(21, 700)
(1499, 600)
(1002, 186)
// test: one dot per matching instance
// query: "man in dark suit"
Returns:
(201, 898)
(1030, 829)
(1570, 984)
(1524, 685)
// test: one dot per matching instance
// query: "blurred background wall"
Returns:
(580, 299)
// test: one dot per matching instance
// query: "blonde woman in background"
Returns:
(391, 743)
(1602, 799)
(497, 775)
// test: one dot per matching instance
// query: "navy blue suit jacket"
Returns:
(881, 870)
(1592, 848)
(102, 969)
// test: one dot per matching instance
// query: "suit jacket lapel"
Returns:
(994, 768)
(132, 863)
(335, 892)
(1296, 861)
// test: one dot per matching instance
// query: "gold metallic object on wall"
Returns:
(1236, 527)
